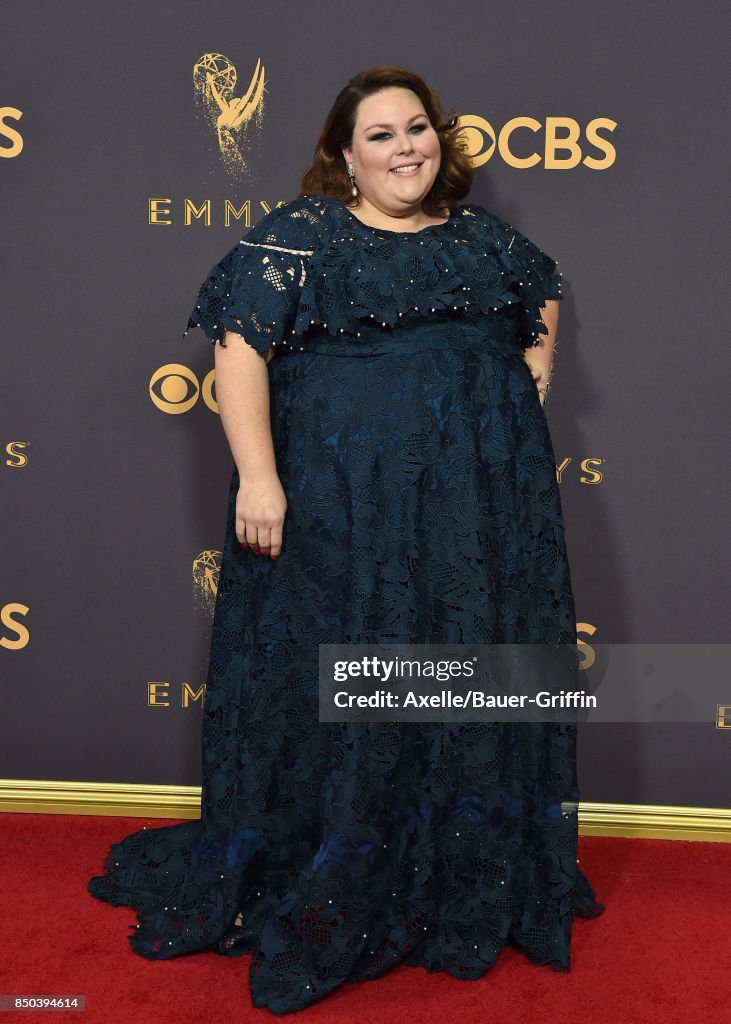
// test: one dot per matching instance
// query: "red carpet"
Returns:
(660, 951)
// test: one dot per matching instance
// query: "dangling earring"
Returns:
(351, 175)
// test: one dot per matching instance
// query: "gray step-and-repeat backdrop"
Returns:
(598, 129)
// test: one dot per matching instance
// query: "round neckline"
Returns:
(389, 231)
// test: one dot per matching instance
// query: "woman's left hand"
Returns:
(537, 376)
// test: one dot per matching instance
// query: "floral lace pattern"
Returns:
(423, 507)
(310, 268)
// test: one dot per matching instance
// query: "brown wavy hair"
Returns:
(328, 175)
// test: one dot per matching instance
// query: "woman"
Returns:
(393, 461)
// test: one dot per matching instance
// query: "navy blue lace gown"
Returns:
(423, 506)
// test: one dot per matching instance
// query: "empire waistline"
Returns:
(500, 338)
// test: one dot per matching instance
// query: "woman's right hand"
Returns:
(261, 505)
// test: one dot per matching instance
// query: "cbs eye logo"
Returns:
(561, 143)
(174, 389)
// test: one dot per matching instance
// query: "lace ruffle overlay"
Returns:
(310, 267)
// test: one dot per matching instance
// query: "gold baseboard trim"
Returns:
(648, 821)
(121, 799)
(136, 800)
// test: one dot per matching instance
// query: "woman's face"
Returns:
(395, 151)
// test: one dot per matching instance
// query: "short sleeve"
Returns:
(254, 289)
(540, 276)
(534, 277)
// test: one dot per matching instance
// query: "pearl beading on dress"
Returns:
(307, 217)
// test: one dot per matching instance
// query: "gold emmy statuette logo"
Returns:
(206, 571)
(15, 450)
(20, 635)
(8, 132)
(232, 117)
(175, 389)
(561, 142)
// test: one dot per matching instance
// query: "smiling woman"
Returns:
(393, 465)
(387, 142)
(394, 161)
